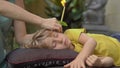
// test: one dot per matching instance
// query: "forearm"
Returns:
(15, 12)
(19, 26)
(88, 48)
(20, 30)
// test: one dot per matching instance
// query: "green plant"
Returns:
(73, 12)
(28, 1)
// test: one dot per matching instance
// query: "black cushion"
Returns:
(40, 58)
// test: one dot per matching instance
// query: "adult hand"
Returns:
(51, 24)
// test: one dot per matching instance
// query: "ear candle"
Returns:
(63, 12)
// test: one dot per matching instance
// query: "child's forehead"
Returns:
(51, 33)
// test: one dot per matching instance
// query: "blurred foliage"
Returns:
(28, 1)
(73, 12)
(33, 6)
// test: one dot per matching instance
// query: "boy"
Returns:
(95, 49)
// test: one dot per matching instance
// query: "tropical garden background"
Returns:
(53, 8)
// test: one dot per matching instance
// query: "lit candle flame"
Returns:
(63, 2)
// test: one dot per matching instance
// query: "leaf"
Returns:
(63, 23)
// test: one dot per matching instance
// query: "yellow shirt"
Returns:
(106, 45)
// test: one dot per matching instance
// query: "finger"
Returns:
(58, 27)
(88, 63)
(61, 28)
(67, 66)
(79, 66)
(49, 27)
(83, 66)
(91, 60)
(72, 66)
(92, 57)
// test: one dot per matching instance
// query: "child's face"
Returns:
(57, 41)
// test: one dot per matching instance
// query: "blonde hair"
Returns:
(37, 38)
